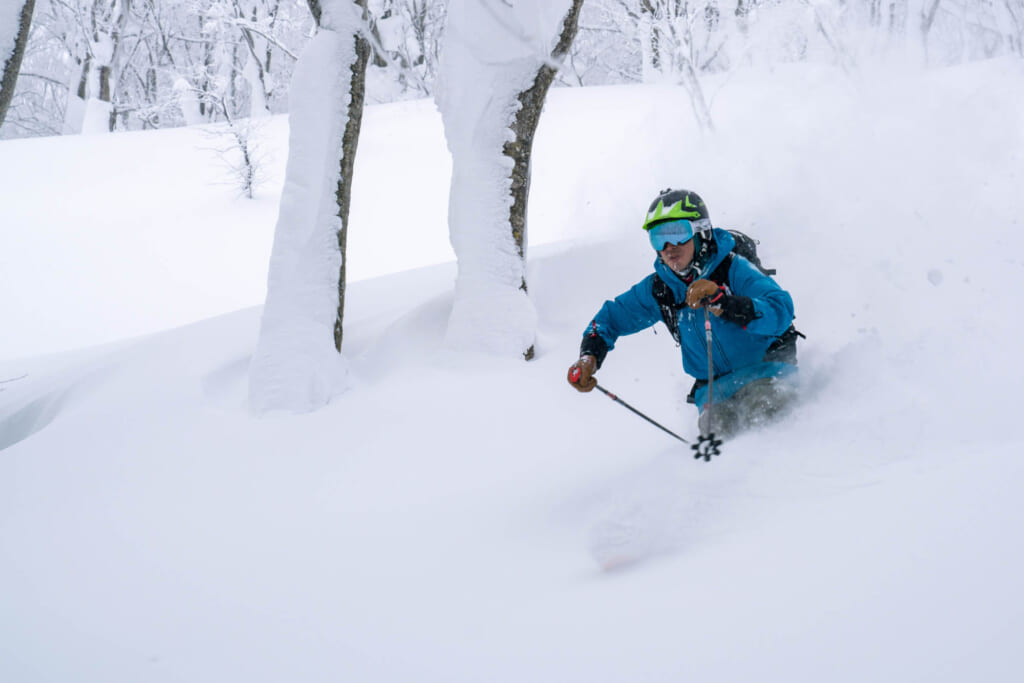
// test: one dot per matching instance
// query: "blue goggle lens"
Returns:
(670, 232)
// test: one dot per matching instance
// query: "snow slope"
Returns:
(440, 521)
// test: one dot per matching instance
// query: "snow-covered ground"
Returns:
(444, 519)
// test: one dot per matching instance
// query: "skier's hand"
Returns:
(731, 308)
(581, 374)
(736, 309)
(703, 292)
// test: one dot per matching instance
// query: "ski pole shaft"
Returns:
(707, 445)
(637, 412)
(711, 365)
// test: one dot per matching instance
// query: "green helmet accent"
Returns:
(673, 205)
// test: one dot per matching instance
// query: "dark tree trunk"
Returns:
(655, 38)
(928, 18)
(12, 63)
(525, 126)
(350, 141)
(104, 24)
(349, 144)
(314, 9)
(257, 60)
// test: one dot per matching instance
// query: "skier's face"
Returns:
(677, 256)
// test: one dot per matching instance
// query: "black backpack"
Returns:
(746, 246)
(782, 349)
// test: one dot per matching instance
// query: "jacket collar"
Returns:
(678, 286)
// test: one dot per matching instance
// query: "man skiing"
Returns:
(754, 342)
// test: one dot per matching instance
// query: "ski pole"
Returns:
(711, 365)
(637, 412)
(707, 445)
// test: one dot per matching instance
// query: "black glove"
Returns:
(736, 309)
(731, 308)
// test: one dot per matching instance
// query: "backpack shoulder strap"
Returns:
(720, 275)
(667, 305)
(667, 302)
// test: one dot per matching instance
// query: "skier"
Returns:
(754, 342)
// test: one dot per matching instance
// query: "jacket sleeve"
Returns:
(773, 306)
(628, 313)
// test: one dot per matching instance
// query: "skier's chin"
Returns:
(683, 272)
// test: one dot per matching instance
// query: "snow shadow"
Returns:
(32, 417)
(227, 384)
(26, 408)
(665, 507)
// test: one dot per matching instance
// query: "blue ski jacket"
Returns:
(737, 352)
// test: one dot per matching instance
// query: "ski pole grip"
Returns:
(574, 375)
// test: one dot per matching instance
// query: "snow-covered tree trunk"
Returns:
(524, 126)
(254, 70)
(1015, 16)
(90, 103)
(672, 22)
(691, 81)
(188, 102)
(297, 365)
(406, 39)
(496, 65)
(15, 20)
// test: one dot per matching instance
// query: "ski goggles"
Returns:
(675, 232)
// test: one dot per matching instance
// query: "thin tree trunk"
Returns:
(743, 16)
(257, 74)
(12, 65)
(1017, 16)
(314, 9)
(98, 80)
(928, 18)
(846, 62)
(701, 110)
(655, 39)
(107, 79)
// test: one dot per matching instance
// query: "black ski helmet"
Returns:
(671, 205)
(674, 204)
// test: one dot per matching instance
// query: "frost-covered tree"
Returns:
(228, 58)
(162, 62)
(677, 41)
(498, 60)
(238, 145)
(1014, 12)
(15, 21)
(172, 62)
(101, 27)
(297, 365)
(407, 36)
(243, 33)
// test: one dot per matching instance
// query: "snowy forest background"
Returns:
(95, 65)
